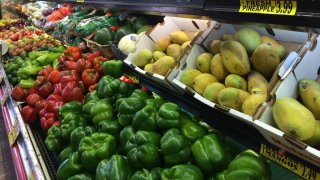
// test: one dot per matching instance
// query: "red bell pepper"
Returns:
(71, 65)
(32, 90)
(18, 93)
(55, 77)
(45, 90)
(92, 87)
(57, 89)
(42, 112)
(55, 98)
(76, 75)
(40, 105)
(72, 93)
(81, 65)
(28, 114)
(56, 107)
(32, 99)
(90, 77)
(90, 57)
(46, 71)
(73, 53)
(47, 121)
(40, 81)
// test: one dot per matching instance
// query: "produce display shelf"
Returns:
(243, 133)
(306, 18)
(27, 157)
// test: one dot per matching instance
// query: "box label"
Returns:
(80, 1)
(133, 77)
(276, 7)
(14, 133)
(289, 163)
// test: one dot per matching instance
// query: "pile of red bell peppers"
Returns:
(77, 74)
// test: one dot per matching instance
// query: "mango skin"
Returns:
(294, 119)
(142, 58)
(236, 81)
(249, 38)
(282, 51)
(251, 104)
(314, 141)
(235, 58)
(179, 37)
(188, 76)
(309, 91)
(232, 97)
(257, 83)
(265, 59)
(217, 68)
(162, 44)
(163, 65)
(202, 81)
(212, 90)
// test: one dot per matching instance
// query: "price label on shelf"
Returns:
(288, 163)
(80, 1)
(4, 97)
(14, 133)
(277, 7)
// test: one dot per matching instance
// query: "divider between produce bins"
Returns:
(307, 68)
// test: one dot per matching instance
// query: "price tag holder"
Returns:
(80, 1)
(288, 163)
(14, 133)
(4, 98)
(276, 7)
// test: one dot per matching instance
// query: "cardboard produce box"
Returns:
(308, 68)
(293, 41)
(195, 28)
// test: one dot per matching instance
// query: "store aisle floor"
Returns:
(7, 171)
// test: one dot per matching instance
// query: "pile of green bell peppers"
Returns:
(139, 135)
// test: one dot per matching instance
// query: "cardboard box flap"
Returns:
(187, 24)
(288, 64)
(309, 65)
(288, 88)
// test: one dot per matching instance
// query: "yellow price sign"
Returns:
(288, 163)
(132, 77)
(80, 1)
(14, 133)
(277, 7)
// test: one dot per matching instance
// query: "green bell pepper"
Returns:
(117, 168)
(113, 68)
(174, 147)
(101, 111)
(110, 126)
(69, 117)
(28, 71)
(219, 175)
(111, 88)
(101, 171)
(35, 54)
(183, 171)
(95, 148)
(73, 106)
(210, 154)
(145, 156)
(47, 59)
(65, 153)
(138, 93)
(101, 87)
(27, 83)
(70, 167)
(249, 165)
(145, 119)
(193, 131)
(126, 88)
(169, 116)
(127, 109)
(78, 134)
(141, 138)
(156, 102)
(91, 96)
(54, 141)
(125, 134)
(145, 174)
(83, 176)
(86, 108)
